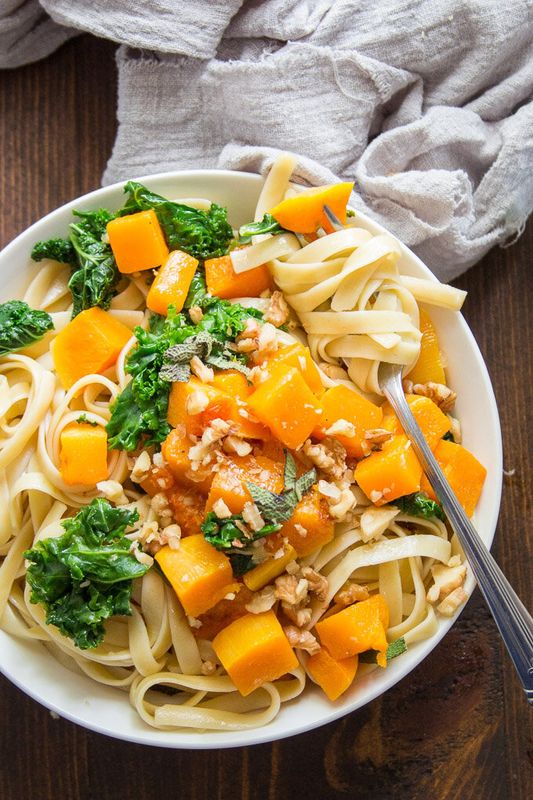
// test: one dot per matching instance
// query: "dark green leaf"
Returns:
(274, 507)
(21, 325)
(85, 576)
(202, 234)
(57, 249)
(267, 225)
(304, 483)
(393, 650)
(419, 505)
(448, 437)
(290, 471)
(225, 533)
(241, 563)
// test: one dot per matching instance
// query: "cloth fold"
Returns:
(428, 106)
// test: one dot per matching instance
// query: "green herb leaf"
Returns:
(419, 505)
(21, 325)
(280, 507)
(267, 225)
(304, 483)
(289, 471)
(85, 576)
(82, 420)
(223, 533)
(394, 649)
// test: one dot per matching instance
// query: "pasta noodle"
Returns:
(355, 310)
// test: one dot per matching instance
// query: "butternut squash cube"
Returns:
(333, 676)
(304, 212)
(360, 627)
(286, 404)
(233, 383)
(389, 473)
(341, 402)
(296, 355)
(172, 282)
(137, 241)
(89, 344)
(188, 508)
(429, 365)
(265, 573)
(222, 280)
(83, 454)
(253, 650)
(199, 574)
(432, 421)
(229, 483)
(465, 474)
(311, 526)
(175, 450)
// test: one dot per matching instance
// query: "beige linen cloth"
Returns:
(427, 105)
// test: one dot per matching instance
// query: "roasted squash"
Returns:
(342, 403)
(360, 627)
(333, 676)
(222, 280)
(304, 212)
(83, 454)
(137, 241)
(172, 282)
(390, 472)
(465, 474)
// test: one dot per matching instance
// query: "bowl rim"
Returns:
(216, 740)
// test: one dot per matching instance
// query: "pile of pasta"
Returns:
(354, 309)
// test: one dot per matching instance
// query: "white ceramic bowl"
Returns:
(106, 710)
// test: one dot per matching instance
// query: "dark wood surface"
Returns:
(458, 726)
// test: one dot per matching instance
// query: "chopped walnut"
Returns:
(318, 584)
(350, 593)
(340, 509)
(208, 667)
(376, 437)
(143, 558)
(201, 370)
(291, 590)
(329, 490)
(246, 341)
(278, 310)
(201, 453)
(329, 456)
(221, 509)
(258, 375)
(252, 517)
(341, 427)
(446, 579)
(234, 444)
(196, 314)
(301, 640)
(113, 491)
(197, 402)
(455, 429)
(141, 467)
(300, 616)
(440, 394)
(261, 601)
(451, 603)
(375, 521)
(267, 341)
(246, 345)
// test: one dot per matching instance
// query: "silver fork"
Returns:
(511, 616)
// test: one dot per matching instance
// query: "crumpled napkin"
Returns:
(428, 106)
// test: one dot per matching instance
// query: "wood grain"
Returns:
(458, 726)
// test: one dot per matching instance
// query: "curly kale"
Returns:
(202, 234)
(94, 272)
(267, 225)
(227, 536)
(419, 505)
(85, 576)
(20, 325)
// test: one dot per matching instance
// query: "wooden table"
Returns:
(458, 726)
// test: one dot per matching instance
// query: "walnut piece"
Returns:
(350, 593)
(201, 370)
(301, 640)
(317, 583)
(252, 517)
(141, 468)
(440, 394)
(278, 310)
(451, 603)
(328, 456)
(261, 601)
(446, 579)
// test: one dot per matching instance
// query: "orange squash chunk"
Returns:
(188, 508)
(389, 473)
(233, 383)
(222, 614)
(172, 282)
(222, 280)
(220, 406)
(175, 450)
(159, 479)
(90, 343)
(432, 421)
(304, 212)
(229, 483)
(137, 241)
(296, 355)
(254, 650)
(311, 514)
(199, 574)
(83, 454)
(360, 627)
(429, 365)
(465, 474)
(340, 402)
(333, 676)
(287, 405)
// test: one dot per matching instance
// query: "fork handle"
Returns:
(511, 616)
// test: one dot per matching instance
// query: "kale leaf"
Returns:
(94, 272)
(140, 411)
(419, 505)
(267, 225)
(57, 249)
(235, 540)
(202, 234)
(20, 325)
(85, 576)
